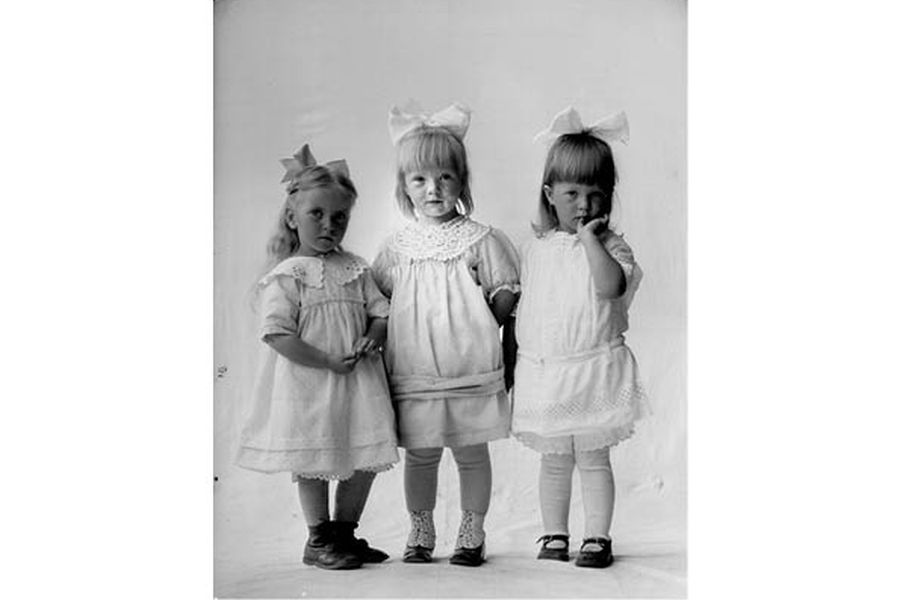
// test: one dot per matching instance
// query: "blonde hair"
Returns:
(576, 158)
(432, 147)
(285, 242)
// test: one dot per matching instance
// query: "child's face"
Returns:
(434, 192)
(320, 218)
(575, 203)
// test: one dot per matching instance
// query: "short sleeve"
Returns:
(621, 252)
(279, 306)
(381, 270)
(376, 304)
(498, 267)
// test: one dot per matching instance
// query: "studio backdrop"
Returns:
(326, 72)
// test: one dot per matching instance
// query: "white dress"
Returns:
(311, 421)
(577, 385)
(443, 353)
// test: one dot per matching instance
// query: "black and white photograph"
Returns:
(450, 298)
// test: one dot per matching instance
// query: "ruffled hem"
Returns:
(568, 444)
(319, 463)
(591, 432)
(452, 422)
(455, 440)
(341, 476)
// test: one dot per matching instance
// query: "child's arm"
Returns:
(296, 350)
(609, 279)
(510, 348)
(502, 305)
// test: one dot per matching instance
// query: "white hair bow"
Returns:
(613, 128)
(401, 121)
(304, 159)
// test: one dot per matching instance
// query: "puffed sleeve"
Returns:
(621, 252)
(376, 304)
(498, 266)
(279, 306)
(381, 270)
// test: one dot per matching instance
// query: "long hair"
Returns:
(285, 242)
(432, 147)
(576, 158)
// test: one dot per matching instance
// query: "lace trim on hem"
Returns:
(342, 476)
(564, 444)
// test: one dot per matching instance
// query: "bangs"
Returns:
(431, 148)
(581, 159)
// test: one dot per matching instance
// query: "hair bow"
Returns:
(304, 159)
(401, 121)
(613, 128)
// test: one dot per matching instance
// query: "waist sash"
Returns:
(423, 387)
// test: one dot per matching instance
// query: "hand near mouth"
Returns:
(589, 229)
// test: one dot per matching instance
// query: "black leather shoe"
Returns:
(367, 553)
(596, 559)
(342, 532)
(417, 554)
(319, 541)
(561, 554)
(324, 551)
(468, 557)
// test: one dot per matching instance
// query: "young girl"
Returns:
(452, 283)
(577, 390)
(321, 407)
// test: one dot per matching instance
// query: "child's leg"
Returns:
(474, 465)
(598, 491)
(349, 502)
(313, 500)
(420, 484)
(555, 489)
(351, 495)
(320, 549)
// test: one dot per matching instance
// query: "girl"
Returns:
(452, 283)
(577, 390)
(321, 405)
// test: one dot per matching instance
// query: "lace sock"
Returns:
(471, 530)
(422, 532)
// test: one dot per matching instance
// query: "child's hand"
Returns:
(364, 345)
(592, 231)
(342, 364)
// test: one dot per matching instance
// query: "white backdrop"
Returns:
(326, 72)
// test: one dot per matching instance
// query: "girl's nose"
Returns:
(431, 186)
(581, 203)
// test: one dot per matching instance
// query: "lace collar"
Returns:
(336, 267)
(444, 241)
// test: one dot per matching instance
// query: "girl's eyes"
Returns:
(420, 179)
(316, 213)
